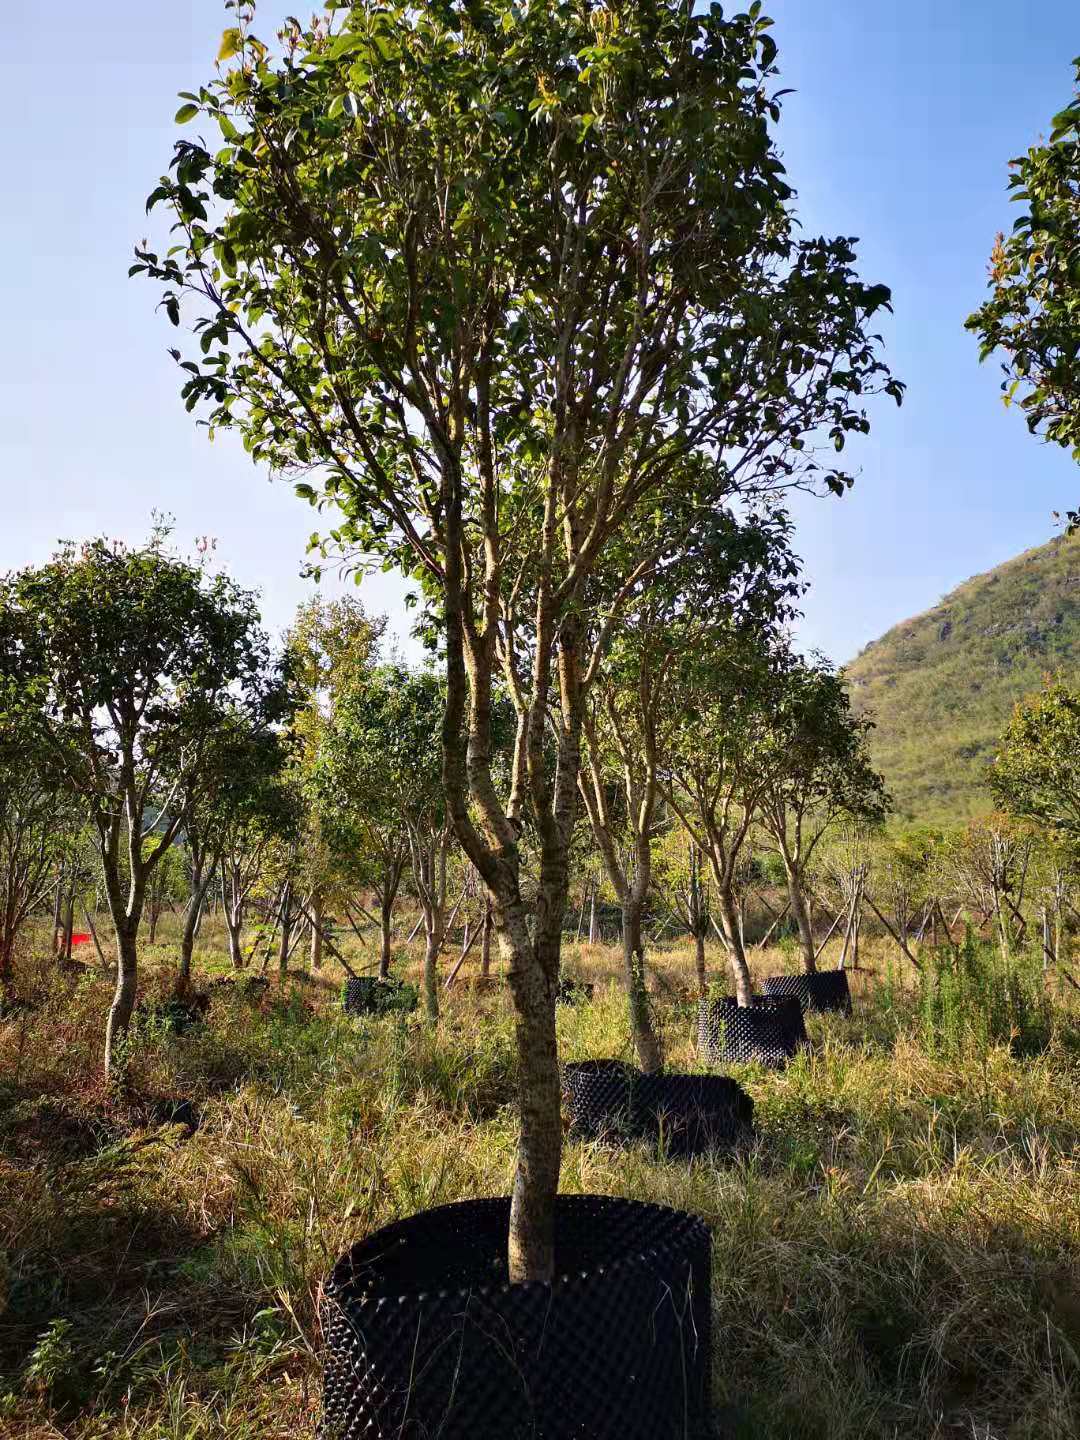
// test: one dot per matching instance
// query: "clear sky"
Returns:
(905, 115)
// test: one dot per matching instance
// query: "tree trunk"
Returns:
(536, 1181)
(58, 910)
(7, 962)
(187, 946)
(641, 1027)
(799, 909)
(699, 962)
(592, 915)
(317, 913)
(386, 914)
(69, 919)
(192, 916)
(485, 943)
(234, 924)
(123, 1004)
(431, 971)
(285, 937)
(729, 923)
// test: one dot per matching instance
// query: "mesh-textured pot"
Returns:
(175, 1015)
(769, 1031)
(371, 995)
(252, 987)
(573, 992)
(693, 1114)
(686, 1114)
(828, 990)
(597, 1094)
(425, 1339)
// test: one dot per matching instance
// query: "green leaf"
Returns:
(230, 44)
(186, 113)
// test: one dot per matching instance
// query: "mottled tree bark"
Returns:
(646, 1044)
(728, 910)
(800, 911)
(123, 1002)
(386, 915)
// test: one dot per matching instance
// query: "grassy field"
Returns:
(898, 1255)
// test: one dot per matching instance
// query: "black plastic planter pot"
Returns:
(177, 1016)
(370, 995)
(598, 1096)
(574, 992)
(686, 1115)
(426, 1339)
(693, 1114)
(251, 987)
(826, 991)
(770, 1031)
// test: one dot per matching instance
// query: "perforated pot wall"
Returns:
(597, 1096)
(426, 1339)
(692, 1114)
(828, 990)
(686, 1114)
(770, 1031)
(175, 1015)
(370, 995)
(573, 992)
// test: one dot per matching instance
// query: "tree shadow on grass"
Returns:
(106, 1280)
(912, 1329)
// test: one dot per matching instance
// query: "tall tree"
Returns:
(495, 271)
(723, 700)
(815, 767)
(234, 794)
(36, 816)
(379, 778)
(126, 657)
(258, 816)
(731, 575)
(1033, 313)
(686, 890)
(333, 646)
(1036, 771)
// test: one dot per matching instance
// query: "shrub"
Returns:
(974, 997)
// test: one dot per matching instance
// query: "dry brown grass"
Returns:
(899, 1255)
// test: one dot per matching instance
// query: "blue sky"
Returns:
(904, 118)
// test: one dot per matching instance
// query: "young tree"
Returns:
(1033, 313)
(257, 816)
(986, 865)
(902, 874)
(234, 794)
(333, 646)
(686, 888)
(496, 271)
(1036, 771)
(379, 776)
(726, 575)
(722, 705)
(125, 658)
(814, 767)
(35, 819)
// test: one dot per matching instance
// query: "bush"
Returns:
(974, 997)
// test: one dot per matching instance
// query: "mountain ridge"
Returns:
(941, 685)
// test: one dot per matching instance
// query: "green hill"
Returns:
(941, 686)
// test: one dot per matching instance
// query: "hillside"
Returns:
(942, 685)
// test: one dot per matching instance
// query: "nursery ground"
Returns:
(898, 1254)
